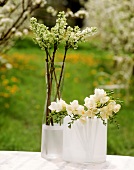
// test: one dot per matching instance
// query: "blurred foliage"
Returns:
(43, 16)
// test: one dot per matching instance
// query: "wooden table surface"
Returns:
(17, 160)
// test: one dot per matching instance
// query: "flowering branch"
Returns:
(49, 40)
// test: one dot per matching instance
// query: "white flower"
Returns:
(58, 106)
(73, 107)
(6, 21)
(112, 106)
(91, 112)
(18, 34)
(117, 108)
(25, 31)
(83, 119)
(105, 113)
(13, 29)
(53, 106)
(90, 103)
(81, 110)
(100, 96)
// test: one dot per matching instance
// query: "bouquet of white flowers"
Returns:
(101, 105)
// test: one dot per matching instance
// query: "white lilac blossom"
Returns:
(61, 32)
(105, 109)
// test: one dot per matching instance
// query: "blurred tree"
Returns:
(43, 16)
(58, 5)
(115, 20)
(75, 5)
(14, 16)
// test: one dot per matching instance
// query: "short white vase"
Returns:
(52, 141)
(85, 142)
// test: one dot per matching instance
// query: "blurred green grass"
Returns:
(23, 95)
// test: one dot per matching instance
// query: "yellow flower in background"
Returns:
(5, 82)
(5, 95)
(14, 79)
(13, 89)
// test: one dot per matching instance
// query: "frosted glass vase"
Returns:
(85, 143)
(52, 133)
(52, 141)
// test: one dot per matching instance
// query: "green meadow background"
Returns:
(22, 95)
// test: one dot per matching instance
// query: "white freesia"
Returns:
(53, 106)
(91, 112)
(81, 110)
(58, 106)
(108, 110)
(98, 105)
(117, 108)
(100, 96)
(104, 113)
(90, 103)
(112, 106)
(73, 107)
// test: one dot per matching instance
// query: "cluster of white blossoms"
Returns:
(100, 105)
(14, 20)
(115, 20)
(46, 37)
(82, 13)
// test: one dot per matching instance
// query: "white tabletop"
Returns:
(15, 160)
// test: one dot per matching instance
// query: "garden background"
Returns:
(22, 93)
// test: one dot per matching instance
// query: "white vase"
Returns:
(85, 143)
(52, 141)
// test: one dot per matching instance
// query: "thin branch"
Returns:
(62, 70)
(23, 5)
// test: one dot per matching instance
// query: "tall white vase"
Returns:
(85, 143)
